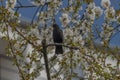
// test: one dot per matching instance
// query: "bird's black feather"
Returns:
(57, 38)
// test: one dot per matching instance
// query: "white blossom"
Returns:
(65, 19)
(105, 3)
(106, 31)
(118, 19)
(70, 2)
(42, 18)
(110, 14)
(55, 1)
(38, 2)
(71, 9)
(80, 40)
(90, 14)
(91, 5)
(10, 4)
(56, 4)
(68, 31)
(98, 11)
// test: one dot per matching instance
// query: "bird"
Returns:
(57, 38)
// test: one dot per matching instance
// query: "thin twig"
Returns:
(29, 6)
(35, 14)
(19, 2)
(25, 6)
(97, 32)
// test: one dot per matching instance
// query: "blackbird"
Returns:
(57, 38)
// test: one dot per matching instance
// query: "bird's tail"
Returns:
(59, 49)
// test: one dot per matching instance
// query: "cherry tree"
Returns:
(31, 43)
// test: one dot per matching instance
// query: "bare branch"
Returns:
(46, 58)
(68, 46)
(19, 2)
(25, 6)
(29, 6)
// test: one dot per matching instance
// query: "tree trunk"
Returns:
(46, 59)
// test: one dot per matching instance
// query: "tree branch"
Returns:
(46, 59)
(27, 39)
(25, 6)
(35, 14)
(68, 46)
(29, 6)
(19, 2)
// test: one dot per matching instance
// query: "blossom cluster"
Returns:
(77, 29)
